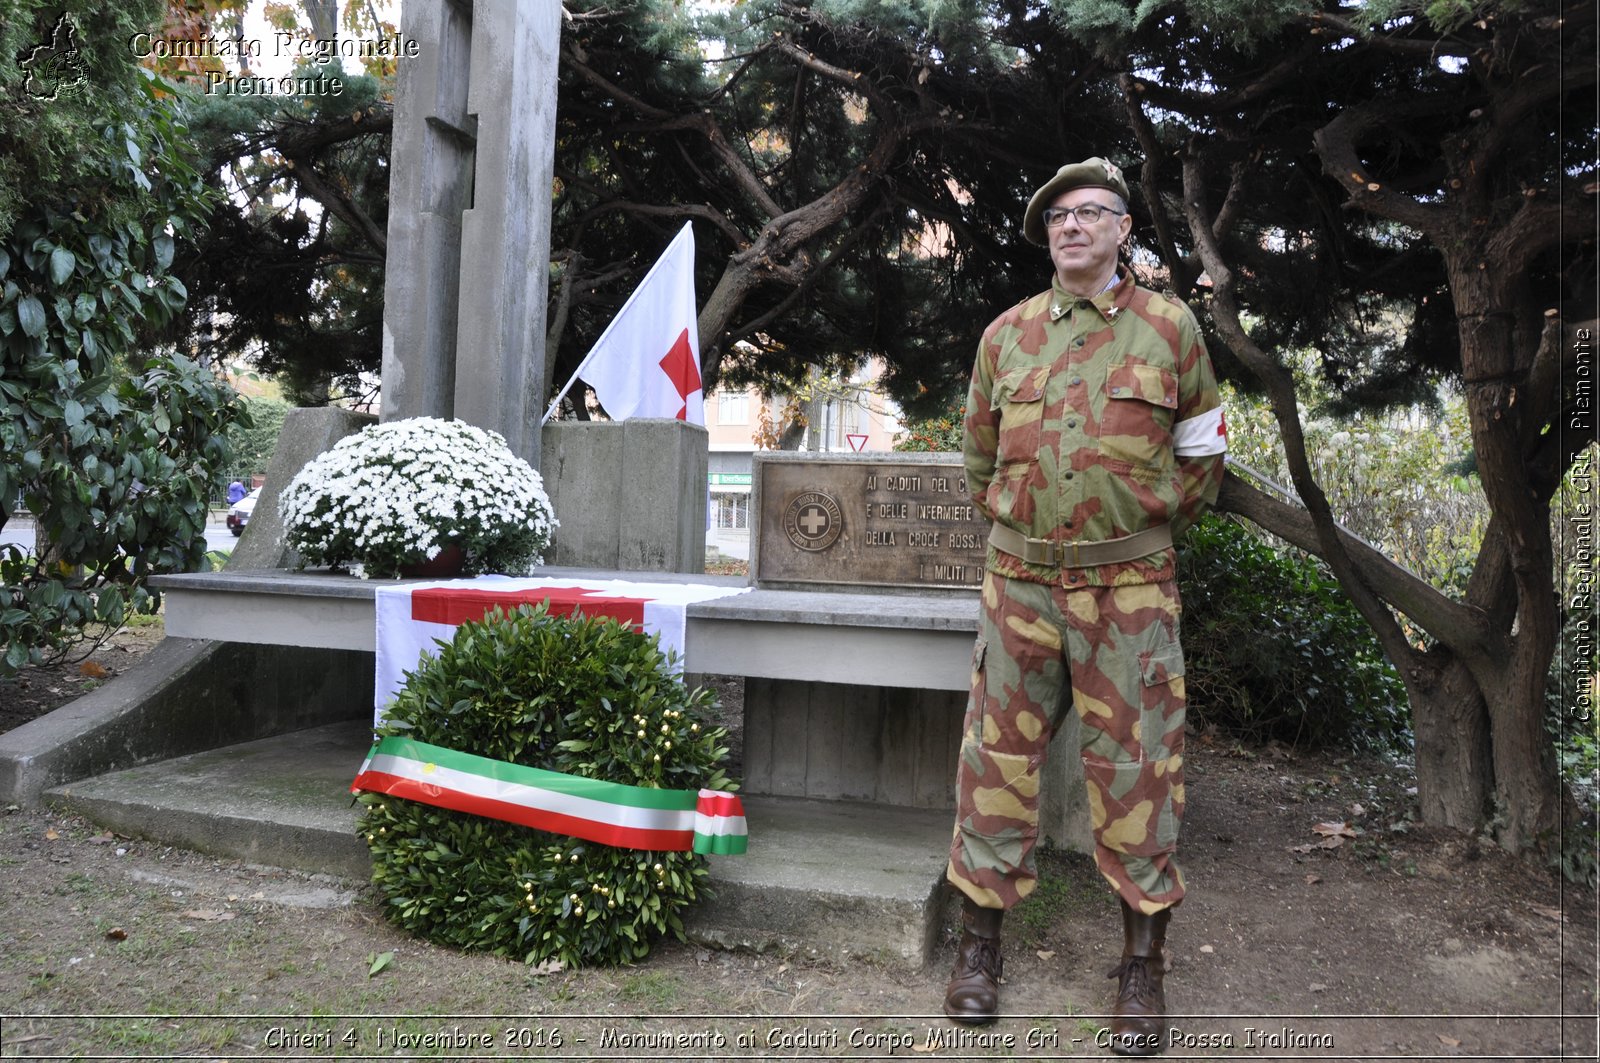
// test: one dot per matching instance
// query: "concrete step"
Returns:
(828, 877)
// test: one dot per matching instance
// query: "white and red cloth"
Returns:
(412, 617)
(1201, 435)
(647, 362)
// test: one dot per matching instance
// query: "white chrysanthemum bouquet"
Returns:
(398, 494)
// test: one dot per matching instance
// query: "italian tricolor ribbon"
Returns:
(628, 817)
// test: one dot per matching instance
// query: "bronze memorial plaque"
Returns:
(867, 521)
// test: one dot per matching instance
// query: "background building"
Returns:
(848, 416)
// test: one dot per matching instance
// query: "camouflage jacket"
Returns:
(1091, 419)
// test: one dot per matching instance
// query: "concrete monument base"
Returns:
(821, 877)
(629, 494)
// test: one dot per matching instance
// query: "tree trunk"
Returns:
(324, 18)
(1454, 776)
(737, 278)
(792, 435)
(1496, 357)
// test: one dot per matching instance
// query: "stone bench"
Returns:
(848, 696)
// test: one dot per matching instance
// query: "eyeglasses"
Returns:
(1088, 214)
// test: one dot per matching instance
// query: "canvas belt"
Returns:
(1080, 555)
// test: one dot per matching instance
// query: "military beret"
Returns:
(1090, 173)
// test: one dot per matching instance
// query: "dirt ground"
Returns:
(1321, 922)
(37, 690)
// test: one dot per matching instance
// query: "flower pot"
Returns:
(446, 563)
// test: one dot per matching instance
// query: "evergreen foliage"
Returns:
(856, 172)
(253, 442)
(1275, 651)
(290, 281)
(114, 447)
(587, 697)
(54, 107)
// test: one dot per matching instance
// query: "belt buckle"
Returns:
(1056, 554)
(1044, 551)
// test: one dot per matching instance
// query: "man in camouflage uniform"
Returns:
(1094, 434)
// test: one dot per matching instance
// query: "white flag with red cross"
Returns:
(647, 362)
(413, 617)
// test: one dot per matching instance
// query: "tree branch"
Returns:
(1537, 226)
(331, 197)
(1429, 48)
(1287, 70)
(1222, 224)
(573, 59)
(1285, 406)
(558, 321)
(671, 210)
(305, 138)
(806, 283)
(747, 61)
(1336, 147)
(700, 121)
(1182, 271)
(1544, 378)
(300, 137)
(1414, 597)
(1532, 89)
(850, 79)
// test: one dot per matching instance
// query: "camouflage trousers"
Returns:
(1115, 650)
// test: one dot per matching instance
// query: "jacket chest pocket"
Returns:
(1019, 398)
(1138, 407)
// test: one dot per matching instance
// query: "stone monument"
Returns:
(849, 522)
(469, 216)
(464, 298)
(886, 525)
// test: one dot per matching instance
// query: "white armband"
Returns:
(1200, 435)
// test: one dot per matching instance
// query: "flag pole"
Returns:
(576, 373)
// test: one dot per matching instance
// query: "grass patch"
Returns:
(653, 989)
(146, 1034)
(1069, 887)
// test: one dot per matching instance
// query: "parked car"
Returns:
(239, 512)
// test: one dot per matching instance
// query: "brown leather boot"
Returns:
(973, 995)
(1139, 1018)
